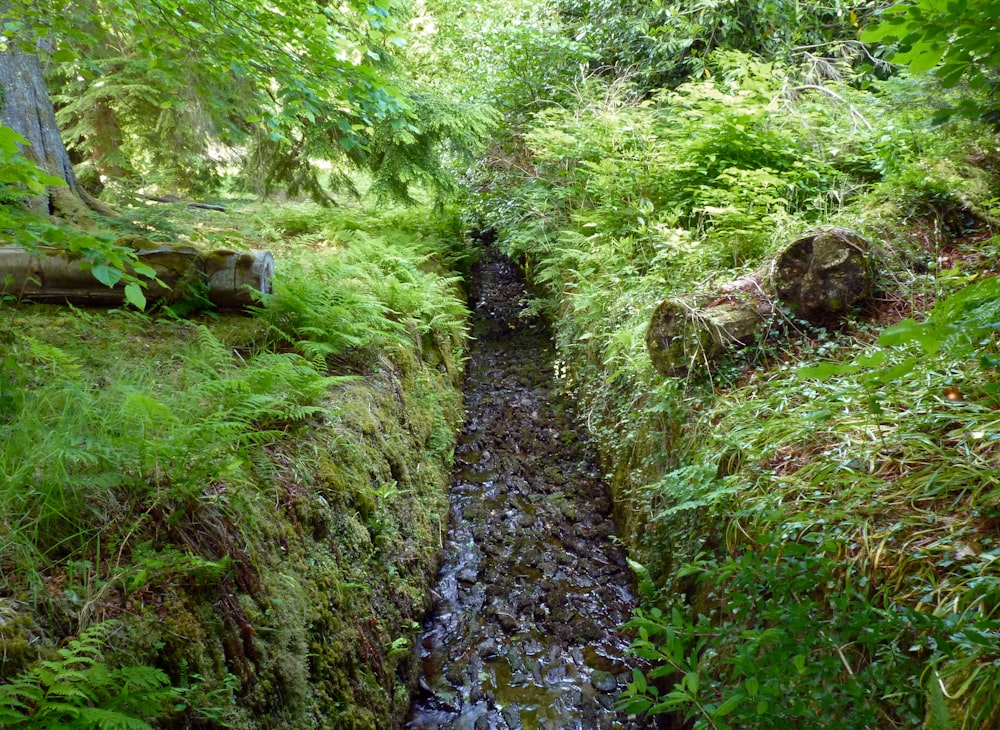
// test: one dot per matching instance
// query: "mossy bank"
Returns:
(256, 502)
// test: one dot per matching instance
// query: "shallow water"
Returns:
(532, 589)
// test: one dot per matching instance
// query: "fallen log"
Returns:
(823, 275)
(819, 277)
(176, 199)
(688, 332)
(53, 276)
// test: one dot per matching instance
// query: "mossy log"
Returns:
(52, 276)
(687, 333)
(822, 275)
(819, 277)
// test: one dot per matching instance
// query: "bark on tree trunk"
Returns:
(55, 277)
(107, 142)
(26, 108)
(819, 276)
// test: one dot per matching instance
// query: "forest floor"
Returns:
(533, 590)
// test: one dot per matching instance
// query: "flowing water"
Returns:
(532, 589)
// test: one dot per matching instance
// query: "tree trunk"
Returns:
(819, 277)
(26, 108)
(229, 279)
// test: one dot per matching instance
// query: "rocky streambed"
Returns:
(532, 589)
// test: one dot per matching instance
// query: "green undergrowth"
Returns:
(816, 548)
(258, 501)
(849, 577)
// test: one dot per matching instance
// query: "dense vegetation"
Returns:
(813, 522)
(256, 501)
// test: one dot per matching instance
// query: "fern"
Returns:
(327, 308)
(78, 690)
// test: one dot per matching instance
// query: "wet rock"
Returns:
(606, 701)
(574, 697)
(555, 674)
(454, 676)
(512, 717)
(534, 667)
(467, 576)
(507, 621)
(603, 681)
(487, 649)
(476, 694)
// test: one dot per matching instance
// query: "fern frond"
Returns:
(98, 718)
(211, 353)
(79, 690)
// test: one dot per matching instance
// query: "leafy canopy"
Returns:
(297, 61)
(954, 39)
(173, 91)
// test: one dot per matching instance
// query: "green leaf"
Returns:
(938, 715)
(929, 335)
(887, 30)
(141, 269)
(825, 370)
(728, 705)
(107, 275)
(134, 295)
(690, 683)
(893, 373)
(63, 54)
(928, 58)
(9, 141)
(639, 681)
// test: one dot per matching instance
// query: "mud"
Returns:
(532, 589)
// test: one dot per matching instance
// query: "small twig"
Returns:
(835, 95)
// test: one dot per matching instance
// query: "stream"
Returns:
(524, 633)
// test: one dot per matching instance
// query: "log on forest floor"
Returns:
(226, 278)
(820, 277)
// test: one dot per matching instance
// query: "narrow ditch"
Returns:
(524, 635)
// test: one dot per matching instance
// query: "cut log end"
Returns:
(235, 279)
(823, 275)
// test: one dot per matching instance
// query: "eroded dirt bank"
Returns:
(532, 589)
